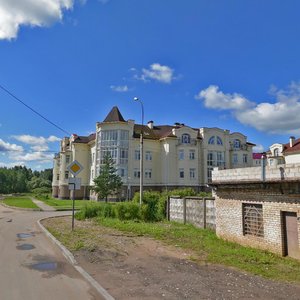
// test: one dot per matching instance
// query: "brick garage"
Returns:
(260, 212)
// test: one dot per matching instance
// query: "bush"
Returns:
(128, 211)
(42, 190)
(89, 210)
(107, 211)
(152, 206)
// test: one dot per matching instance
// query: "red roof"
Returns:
(295, 148)
(256, 155)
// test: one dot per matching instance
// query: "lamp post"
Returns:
(141, 151)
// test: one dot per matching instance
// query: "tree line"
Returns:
(21, 179)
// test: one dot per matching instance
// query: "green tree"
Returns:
(108, 182)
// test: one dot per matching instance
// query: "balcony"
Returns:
(193, 142)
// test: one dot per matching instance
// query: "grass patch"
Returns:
(59, 204)
(208, 247)
(22, 202)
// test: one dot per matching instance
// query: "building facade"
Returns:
(175, 156)
(288, 153)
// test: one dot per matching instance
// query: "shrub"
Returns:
(107, 211)
(128, 211)
(152, 207)
(89, 210)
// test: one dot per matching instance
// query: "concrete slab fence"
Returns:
(200, 212)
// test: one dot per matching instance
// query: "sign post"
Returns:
(74, 183)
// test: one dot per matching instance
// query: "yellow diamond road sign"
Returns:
(75, 167)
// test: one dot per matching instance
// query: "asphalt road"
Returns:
(31, 266)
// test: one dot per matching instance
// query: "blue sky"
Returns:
(228, 64)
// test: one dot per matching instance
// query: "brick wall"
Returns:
(276, 195)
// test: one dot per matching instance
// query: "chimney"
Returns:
(150, 124)
(292, 141)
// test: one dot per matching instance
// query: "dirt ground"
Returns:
(136, 267)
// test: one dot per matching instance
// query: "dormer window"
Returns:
(211, 140)
(276, 152)
(219, 141)
(185, 139)
(236, 144)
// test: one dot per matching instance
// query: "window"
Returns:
(122, 172)
(67, 159)
(92, 174)
(276, 152)
(66, 174)
(185, 139)
(209, 175)
(220, 159)
(211, 140)
(181, 173)
(137, 155)
(235, 159)
(245, 158)
(57, 177)
(148, 155)
(93, 158)
(181, 154)
(253, 219)
(123, 156)
(192, 173)
(112, 152)
(219, 141)
(210, 159)
(192, 154)
(148, 174)
(236, 144)
(136, 173)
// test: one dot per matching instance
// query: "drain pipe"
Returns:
(263, 167)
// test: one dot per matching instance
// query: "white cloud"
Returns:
(11, 164)
(119, 88)
(258, 148)
(36, 156)
(213, 98)
(6, 147)
(156, 72)
(35, 140)
(16, 13)
(280, 117)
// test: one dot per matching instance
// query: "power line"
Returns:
(33, 110)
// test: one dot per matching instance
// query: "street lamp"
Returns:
(141, 151)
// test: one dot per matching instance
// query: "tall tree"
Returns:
(108, 182)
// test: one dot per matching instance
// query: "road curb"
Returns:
(70, 257)
(19, 208)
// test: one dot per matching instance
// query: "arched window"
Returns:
(219, 141)
(185, 138)
(276, 152)
(237, 144)
(211, 140)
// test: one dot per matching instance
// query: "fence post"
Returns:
(184, 210)
(168, 208)
(204, 212)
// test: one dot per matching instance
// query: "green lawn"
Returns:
(59, 204)
(22, 202)
(207, 247)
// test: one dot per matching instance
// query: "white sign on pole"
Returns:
(74, 184)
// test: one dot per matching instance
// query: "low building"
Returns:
(175, 156)
(288, 153)
(257, 159)
(260, 207)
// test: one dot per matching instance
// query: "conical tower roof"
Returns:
(114, 116)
